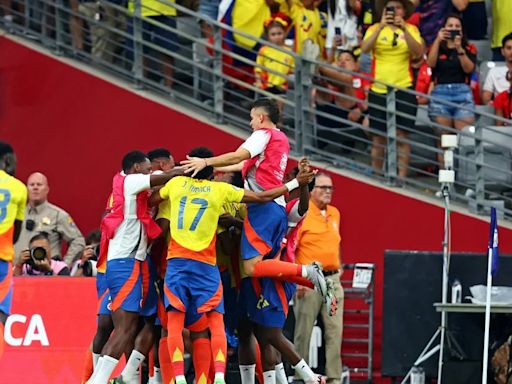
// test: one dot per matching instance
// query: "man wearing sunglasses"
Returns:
(318, 240)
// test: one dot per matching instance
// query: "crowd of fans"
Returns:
(412, 44)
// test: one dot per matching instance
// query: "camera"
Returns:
(390, 14)
(454, 33)
(36, 254)
(390, 9)
(87, 265)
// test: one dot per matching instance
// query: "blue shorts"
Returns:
(265, 300)
(155, 35)
(460, 94)
(193, 287)
(264, 229)
(149, 288)
(5, 286)
(125, 284)
(104, 299)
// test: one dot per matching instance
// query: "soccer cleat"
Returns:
(330, 298)
(316, 276)
(117, 380)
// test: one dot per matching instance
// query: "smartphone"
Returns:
(390, 14)
(454, 33)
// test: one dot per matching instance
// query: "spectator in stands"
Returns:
(102, 19)
(86, 266)
(208, 8)
(319, 240)
(274, 65)
(452, 60)
(503, 102)
(161, 14)
(496, 81)
(433, 13)
(501, 26)
(346, 99)
(307, 23)
(161, 160)
(41, 216)
(37, 259)
(342, 25)
(394, 43)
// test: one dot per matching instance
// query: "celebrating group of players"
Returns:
(170, 267)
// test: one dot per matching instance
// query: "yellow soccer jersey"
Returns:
(13, 199)
(194, 214)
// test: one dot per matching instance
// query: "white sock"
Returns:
(247, 373)
(106, 366)
(132, 365)
(269, 377)
(219, 375)
(156, 378)
(281, 377)
(303, 370)
(95, 358)
(97, 367)
(180, 379)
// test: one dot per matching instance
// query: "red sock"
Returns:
(259, 364)
(175, 322)
(165, 361)
(88, 367)
(276, 268)
(300, 280)
(218, 341)
(151, 363)
(202, 358)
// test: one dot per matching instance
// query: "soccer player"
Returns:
(13, 199)
(262, 158)
(127, 227)
(193, 280)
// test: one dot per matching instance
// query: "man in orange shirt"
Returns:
(319, 240)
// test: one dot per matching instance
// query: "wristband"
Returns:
(291, 185)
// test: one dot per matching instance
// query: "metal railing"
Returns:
(214, 76)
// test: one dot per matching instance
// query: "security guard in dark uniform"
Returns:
(41, 216)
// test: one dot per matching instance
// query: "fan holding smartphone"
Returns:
(452, 60)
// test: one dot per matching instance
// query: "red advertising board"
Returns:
(52, 323)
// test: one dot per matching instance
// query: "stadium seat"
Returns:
(484, 52)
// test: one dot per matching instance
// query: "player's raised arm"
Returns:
(195, 164)
(304, 177)
(162, 178)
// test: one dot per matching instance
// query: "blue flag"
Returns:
(493, 241)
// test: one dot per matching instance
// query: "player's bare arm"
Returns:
(303, 178)
(163, 178)
(194, 165)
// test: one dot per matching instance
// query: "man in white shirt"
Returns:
(496, 81)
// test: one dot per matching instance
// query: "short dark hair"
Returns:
(237, 180)
(39, 236)
(158, 153)
(5, 148)
(348, 51)
(505, 39)
(93, 237)
(132, 158)
(203, 153)
(270, 107)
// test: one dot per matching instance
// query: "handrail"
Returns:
(483, 169)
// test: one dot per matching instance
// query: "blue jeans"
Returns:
(460, 94)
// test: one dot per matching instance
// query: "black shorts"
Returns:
(405, 103)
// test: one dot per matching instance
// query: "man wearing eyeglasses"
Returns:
(319, 241)
(41, 216)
